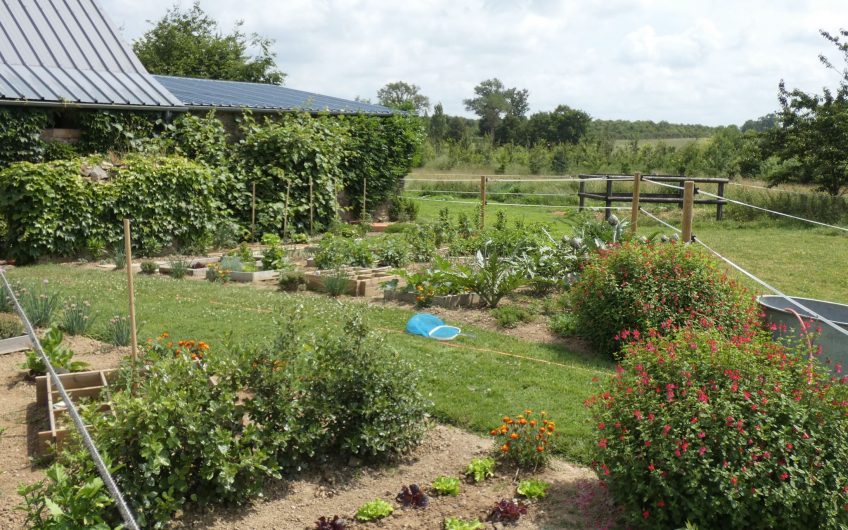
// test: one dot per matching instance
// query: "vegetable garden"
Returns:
(655, 370)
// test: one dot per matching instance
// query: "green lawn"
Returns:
(469, 387)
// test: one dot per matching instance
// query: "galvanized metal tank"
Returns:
(834, 344)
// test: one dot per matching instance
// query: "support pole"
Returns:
(364, 197)
(482, 202)
(286, 212)
(311, 209)
(720, 205)
(634, 210)
(253, 215)
(581, 190)
(688, 210)
(608, 201)
(131, 290)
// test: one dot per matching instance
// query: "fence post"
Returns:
(688, 210)
(131, 290)
(482, 202)
(253, 214)
(634, 211)
(720, 205)
(286, 212)
(608, 202)
(581, 200)
(364, 197)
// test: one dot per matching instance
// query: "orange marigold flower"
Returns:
(514, 436)
(522, 421)
(505, 448)
(494, 432)
(540, 449)
(532, 423)
(550, 428)
(528, 412)
(505, 419)
(202, 345)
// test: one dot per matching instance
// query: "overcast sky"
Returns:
(711, 62)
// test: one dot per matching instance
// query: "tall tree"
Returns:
(493, 101)
(189, 43)
(438, 128)
(403, 96)
(563, 125)
(813, 130)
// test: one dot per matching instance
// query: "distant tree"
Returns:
(361, 99)
(403, 96)
(761, 124)
(438, 128)
(493, 101)
(189, 43)
(563, 125)
(812, 135)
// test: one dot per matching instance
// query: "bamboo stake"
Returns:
(131, 290)
(253, 215)
(364, 196)
(286, 212)
(311, 209)
(634, 211)
(482, 202)
(688, 210)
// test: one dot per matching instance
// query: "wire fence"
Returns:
(102, 468)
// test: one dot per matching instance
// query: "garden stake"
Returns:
(634, 212)
(253, 215)
(688, 210)
(311, 208)
(286, 212)
(482, 202)
(364, 196)
(133, 334)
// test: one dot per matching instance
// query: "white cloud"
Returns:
(714, 61)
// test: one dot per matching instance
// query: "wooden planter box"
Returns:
(165, 268)
(15, 344)
(361, 281)
(92, 384)
(256, 276)
(451, 301)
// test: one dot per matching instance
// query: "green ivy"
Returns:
(20, 135)
(118, 131)
(202, 139)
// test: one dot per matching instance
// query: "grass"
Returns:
(470, 386)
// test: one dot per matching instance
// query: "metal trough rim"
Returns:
(766, 301)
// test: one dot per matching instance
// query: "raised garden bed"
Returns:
(92, 384)
(450, 301)
(361, 281)
(15, 344)
(254, 276)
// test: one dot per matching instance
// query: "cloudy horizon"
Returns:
(713, 62)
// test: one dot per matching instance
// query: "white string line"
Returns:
(810, 312)
(655, 218)
(662, 184)
(740, 203)
(523, 205)
(102, 469)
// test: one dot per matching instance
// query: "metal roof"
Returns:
(67, 52)
(237, 95)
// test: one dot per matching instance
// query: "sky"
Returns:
(714, 62)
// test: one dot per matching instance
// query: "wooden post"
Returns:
(364, 197)
(634, 211)
(253, 215)
(482, 202)
(688, 210)
(286, 212)
(608, 202)
(131, 290)
(580, 198)
(311, 209)
(720, 205)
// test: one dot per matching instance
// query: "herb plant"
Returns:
(446, 486)
(119, 258)
(76, 317)
(118, 331)
(39, 303)
(374, 510)
(480, 469)
(149, 267)
(179, 267)
(491, 276)
(10, 326)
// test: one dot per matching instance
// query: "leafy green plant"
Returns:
(491, 276)
(479, 469)
(374, 510)
(524, 440)
(201, 138)
(454, 523)
(6, 304)
(533, 488)
(179, 267)
(149, 267)
(564, 324)
(336, 283)
(60, 356)
(226, 234)
(118, 331)
(20, 135)
(745, 422)
(76, 317)
(402, 209)
(59, 150)
(65, 500)
(291, 281)
(219, 272)
(10, 326)
(626, 291)
(119, 131)
(39, 302)
(511, 316)
(392, 251)
(422, 242)
(274, 255)
(334, 251)
(446, 486)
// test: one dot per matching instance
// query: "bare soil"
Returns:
(296, 502)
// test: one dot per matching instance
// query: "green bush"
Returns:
(291, 280)
(402, 209)
(723, 433)
(334, 252)
(628, 290)
(10, 326)
(511, 316)
(392, 251)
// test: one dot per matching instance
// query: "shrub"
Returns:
(630, 289)
(149, 267)
(480, 469)
(291, 280)
(743, 423)
(524, 440)
(374, 510)
(422, 242)
(392, 251)
(510, 316)
(118, 331)
(39, 303)
(446, 486)
(76, 317)
(402, 209)
(10, 326)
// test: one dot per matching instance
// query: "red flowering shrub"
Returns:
(723, 433)
(627, 290)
